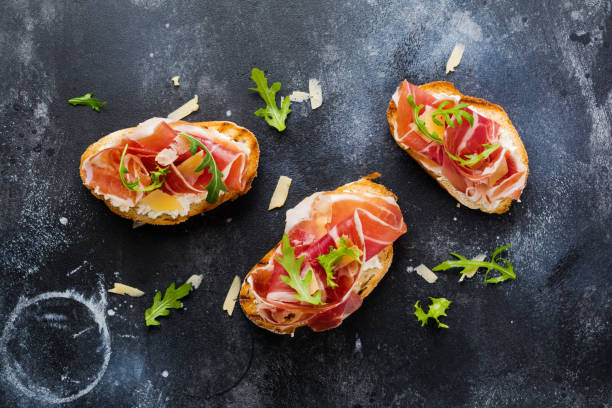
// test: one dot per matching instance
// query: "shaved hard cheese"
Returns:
(472, 272)
(175, 80)
(316, 94)
(232, 295)
(137, 224)
(280, 193)
(121, 289)
(185, 110)
(299, 96)
(195, 281)
(426, 273)
(455, 58)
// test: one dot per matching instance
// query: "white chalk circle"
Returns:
(55, 347)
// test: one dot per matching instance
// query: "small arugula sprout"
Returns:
(329, 261)
(87, 100)
(161, 307)
(505, 271)
(157, 177)
(436, 310)
(420, 123)
(215, 185)
(457, 111)
(473, 159)
(271, 113)
(293, 267)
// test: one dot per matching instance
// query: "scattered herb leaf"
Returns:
(436, 310)
(157, 177)
(473, 159)
(334, 256)
(274, 116)
(215, 185)
(293, 267)
(420, 123)
(457, 111)
(170, 301)
(505, 271)
(87, 100)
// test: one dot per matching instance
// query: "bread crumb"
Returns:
(458, 205)
(455, 58)
(280, 193)
(228, 113)
(175, 80)
(63, 220)
(316, 94)
(110, 312)
(164, 374)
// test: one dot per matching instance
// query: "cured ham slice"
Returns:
(156, 144)
(497, 177)
(368, 222)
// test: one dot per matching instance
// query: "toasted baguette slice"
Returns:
(366, 282)
(488, 109)
(230, 129)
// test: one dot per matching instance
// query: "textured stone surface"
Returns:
(542, 340)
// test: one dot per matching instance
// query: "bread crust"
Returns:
(492, 111)
(230, 129)
(366, 282)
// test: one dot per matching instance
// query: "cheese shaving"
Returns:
(280, 193)
(472, 272)
(185, 110)
(316, 94)
(195, 281)
(137, 224)
(426, 273)
(175, 80)
(455, 58)
(232, 295)
(121, 289)
(299, 96)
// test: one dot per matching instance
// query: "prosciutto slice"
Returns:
(367, 221)
(500, 176)
(157, 143)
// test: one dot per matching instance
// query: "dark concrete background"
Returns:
(543, 340)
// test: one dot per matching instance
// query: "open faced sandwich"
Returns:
(336, 247)
(164, 171)
(468, 145)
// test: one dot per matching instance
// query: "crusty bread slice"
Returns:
(490, 110)
(366, 282)
(229, 129)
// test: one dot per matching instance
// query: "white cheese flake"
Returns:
(316, 94)
(175, 80)
(426, 273)
(280, 193)
(232, 295)
(299, 96)
(472, 272)
(137, 224)
(195, 281)
(455, 58)
(121, 289)
(185, 110)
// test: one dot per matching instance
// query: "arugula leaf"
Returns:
(274, 116)
(457, 111)
(505, 271)
(157, 177)
(473, 159)
(333, 257)
(170, 301)
(293, 267)
(420, 123)
(215, 185)
(88, 101)
(436, 310)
